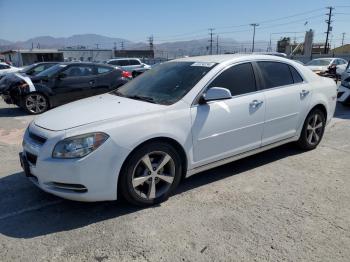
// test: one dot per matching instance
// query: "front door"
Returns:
(228, 127)
(76, 82)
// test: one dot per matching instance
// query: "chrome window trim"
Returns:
(196, 99)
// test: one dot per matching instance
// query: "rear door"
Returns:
(106, 79)
(76, 82)
(287, 100)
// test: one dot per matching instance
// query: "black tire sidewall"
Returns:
(303, 143)
(125, 185)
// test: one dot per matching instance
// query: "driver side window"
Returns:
(76, 71)
(239, 79)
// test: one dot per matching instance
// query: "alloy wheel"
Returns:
(36, 103)
(314, 129)
(153, 175)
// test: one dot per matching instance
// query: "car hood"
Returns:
(94, 109)
(9, 80)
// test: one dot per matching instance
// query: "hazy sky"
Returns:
(171, 20)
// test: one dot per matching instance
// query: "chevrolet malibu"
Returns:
(178, 119)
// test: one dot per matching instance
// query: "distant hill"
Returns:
(170, 49)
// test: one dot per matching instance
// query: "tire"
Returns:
(35, 103)
(313, 130)
(142, 187)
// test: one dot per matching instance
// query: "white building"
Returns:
(23, 57)
(86, 55)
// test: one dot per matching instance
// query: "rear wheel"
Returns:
(150, 174)
(313, 130)
(35, 103)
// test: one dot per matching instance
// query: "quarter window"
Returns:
(296, 76)
(238, 79)
(275, 74)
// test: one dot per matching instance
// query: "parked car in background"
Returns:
(60, 84)
(344, 88)
(6, 68)
(322, 65)
(132, 65)
(180, 118)
(34, 69)
(341, 68)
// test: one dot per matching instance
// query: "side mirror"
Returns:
(216, 93)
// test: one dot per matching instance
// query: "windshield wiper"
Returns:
(117, 93)
(143, 98)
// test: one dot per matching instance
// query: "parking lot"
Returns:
(283, 204)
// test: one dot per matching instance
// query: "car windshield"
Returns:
(27, 68)
(166, 83)
(319, 62)
(51, 70)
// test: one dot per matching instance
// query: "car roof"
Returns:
(124, 58)
(230, 57)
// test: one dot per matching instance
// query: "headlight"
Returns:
(79, 146)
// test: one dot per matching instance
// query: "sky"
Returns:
(172, 20)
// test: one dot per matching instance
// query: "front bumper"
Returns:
(91, 178)
(343, 95)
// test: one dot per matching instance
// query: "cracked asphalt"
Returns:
(280, 205)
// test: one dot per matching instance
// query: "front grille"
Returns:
(38, 139)
(31, 158)
(340, 94)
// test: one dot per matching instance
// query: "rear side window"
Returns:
(103, 70)
(134, 62)
(296, 76)
(238, 79)
(275, 74)
(123, 62)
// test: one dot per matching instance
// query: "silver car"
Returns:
(132, 65)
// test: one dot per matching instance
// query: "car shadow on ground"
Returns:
(27, 212)
(12, 112)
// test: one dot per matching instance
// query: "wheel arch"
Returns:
(179, 148)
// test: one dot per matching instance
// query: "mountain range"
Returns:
(170, 49)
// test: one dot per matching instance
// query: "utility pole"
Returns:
(122, 45)
(97, 46)
(342, 40)
(115, 46)
(150, 41)
(211, 40)
(329, 28)
(217, 44)
(254, 25)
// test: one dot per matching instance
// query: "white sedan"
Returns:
(180, 118)
(5, 69)
(321, 65)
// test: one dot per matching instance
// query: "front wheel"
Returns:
(150, 174)
(313, 130)
(35, 103)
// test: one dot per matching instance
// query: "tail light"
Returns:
(126, 74)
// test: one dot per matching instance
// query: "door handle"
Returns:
(92, 82)
(304, 93)
(256, 103)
